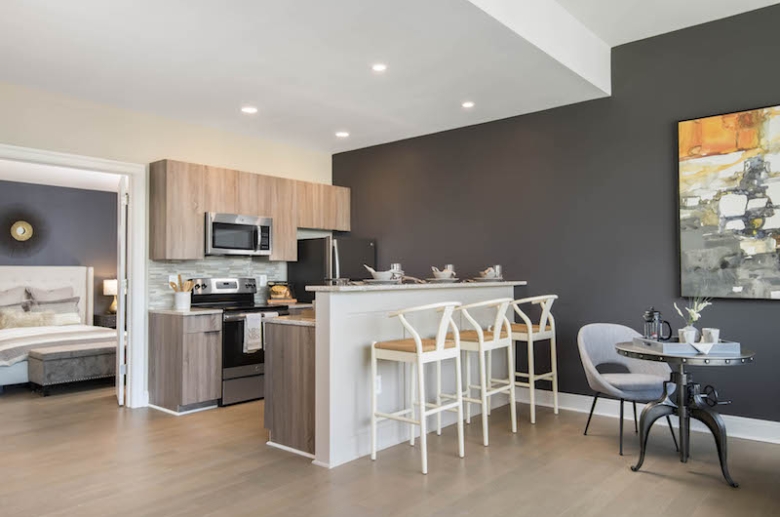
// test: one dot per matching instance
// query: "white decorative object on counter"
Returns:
(382, 275)
(181, 301)
(447, 272)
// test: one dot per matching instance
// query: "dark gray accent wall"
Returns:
(77, 228)
(581, 200)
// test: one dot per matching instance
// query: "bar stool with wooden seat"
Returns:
(483, 342)
(421, 351)
(531, 333)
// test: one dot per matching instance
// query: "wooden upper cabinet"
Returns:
(176, 210)
(269, 196)
(181, 194)
(323, 207)
(221, 190)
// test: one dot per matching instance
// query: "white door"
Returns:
(121, 274)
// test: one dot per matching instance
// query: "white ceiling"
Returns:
(621, 21)
(306, 64)
(24, 172)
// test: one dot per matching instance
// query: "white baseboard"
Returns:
(736, 426)
(289, 449)
(174, 413)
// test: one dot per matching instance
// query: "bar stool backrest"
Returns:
(500, 324)
(546, 301)
(446, 321)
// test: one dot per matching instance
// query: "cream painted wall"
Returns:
(53, 122)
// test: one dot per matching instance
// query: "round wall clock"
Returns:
(22, 231)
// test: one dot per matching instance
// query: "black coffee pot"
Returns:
(654, 325)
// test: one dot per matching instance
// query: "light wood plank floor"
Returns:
(76, 454)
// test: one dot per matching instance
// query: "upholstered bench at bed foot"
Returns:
(70, 363)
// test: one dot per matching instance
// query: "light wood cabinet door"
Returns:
(284, 206)
(269, 196)
(323, 207)
(201, 367)
(176, 211)
(221, 190)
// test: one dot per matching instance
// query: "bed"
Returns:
(15, 343)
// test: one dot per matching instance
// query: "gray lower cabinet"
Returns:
(185, 360)
(289, 385)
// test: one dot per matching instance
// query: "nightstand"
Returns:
(105, 320)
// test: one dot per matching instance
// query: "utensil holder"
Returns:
(181, 301)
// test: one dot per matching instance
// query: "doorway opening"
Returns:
(74, 251)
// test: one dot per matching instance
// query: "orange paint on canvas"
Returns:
(719, 135)
(690, 139)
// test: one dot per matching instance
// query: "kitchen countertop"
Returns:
(301, 321)
(192, 312)
(408, 287)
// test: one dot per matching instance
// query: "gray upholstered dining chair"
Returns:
(643, 381)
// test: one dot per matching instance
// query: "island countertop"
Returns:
(409, 287)
(295, 319)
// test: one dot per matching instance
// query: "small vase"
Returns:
(181, 302)
(688, 335)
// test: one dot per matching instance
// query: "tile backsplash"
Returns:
(161, 295)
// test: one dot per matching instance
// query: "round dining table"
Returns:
(691, 400)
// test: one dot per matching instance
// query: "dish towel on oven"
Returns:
(253, 332)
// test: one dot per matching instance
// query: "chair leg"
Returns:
(512, 399)
(636, 425)
(531, 380)
(423, 418)
(373, 402)
(438, 397)
(592, 407)
(621, 427)
(669, 421)
(412, 401)
(489, 377)
(468, 386)
(459, 395)
(554, 368)
(483, 396)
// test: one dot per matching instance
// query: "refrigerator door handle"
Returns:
(336, 258)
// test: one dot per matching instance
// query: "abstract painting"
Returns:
(730, 205)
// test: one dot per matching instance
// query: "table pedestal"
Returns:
(690, 404)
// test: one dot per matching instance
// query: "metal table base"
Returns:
(690, 403)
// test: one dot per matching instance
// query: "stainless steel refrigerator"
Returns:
(322, 260)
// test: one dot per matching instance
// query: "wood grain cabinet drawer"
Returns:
(205, 323)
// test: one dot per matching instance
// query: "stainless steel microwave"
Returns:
(233, 234)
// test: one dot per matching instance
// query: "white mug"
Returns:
(710, 335)
(687, 336)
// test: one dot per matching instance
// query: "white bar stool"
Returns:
(419, 351)
(531, 333)
(483, 342)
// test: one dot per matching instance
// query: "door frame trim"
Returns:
(137, 357)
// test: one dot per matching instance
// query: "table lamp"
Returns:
(110, 288)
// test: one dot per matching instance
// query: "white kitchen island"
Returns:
(348, 319)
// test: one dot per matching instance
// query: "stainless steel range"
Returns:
(242, 369)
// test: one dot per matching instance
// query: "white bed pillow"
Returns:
(16, 307)
(53, 295)
(66, 318)
(11, 320)
(13, 296)
(59, 306)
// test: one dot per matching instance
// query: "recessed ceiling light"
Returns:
(342, 134)
(379, 67)
(249, 110)
(468, 104)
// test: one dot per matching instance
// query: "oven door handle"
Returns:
(234, 317)
(242, 317)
